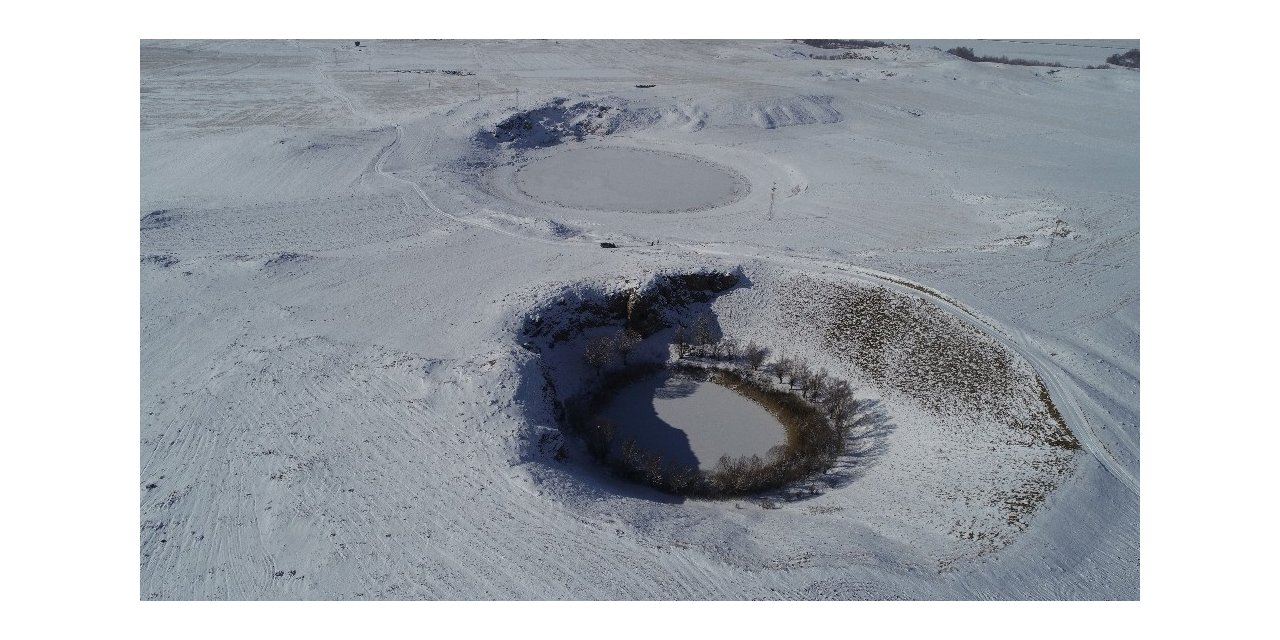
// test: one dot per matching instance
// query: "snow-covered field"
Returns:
(343, 249)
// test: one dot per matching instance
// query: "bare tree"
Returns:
(702, 331)
(838, 402)
(599, 352)
(678, 339)
(755, 354)
(818, 383)
(652, 469)
(600, 438)
(625, 341)
(632, 456)
(802, 376)
(782, 368)
(682, 478)
(729, 347)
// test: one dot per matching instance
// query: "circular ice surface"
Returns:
(616, 179)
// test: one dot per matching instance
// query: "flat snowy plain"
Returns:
(337, 257)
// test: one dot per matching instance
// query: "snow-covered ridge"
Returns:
(956, 402)
(562, 119)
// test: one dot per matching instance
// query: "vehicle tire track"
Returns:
(378, 167)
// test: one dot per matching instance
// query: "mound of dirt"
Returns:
(552, 124)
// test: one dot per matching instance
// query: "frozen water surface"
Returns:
(692, 422)
(627, 180)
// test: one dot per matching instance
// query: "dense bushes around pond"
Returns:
(1130, 59)
(968, 54)
(815, 409)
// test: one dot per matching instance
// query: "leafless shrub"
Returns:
(1129, 59)
(783, 367)
(598, 352)
(818, 383)
(730, 349)
(680, 342)
(755, 355)
(837, 401)
(830, 43)
(702, 332)
(625, 341)
(801, 376)
(968, 54)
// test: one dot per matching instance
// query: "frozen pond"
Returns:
(692, 422)
(615, 179)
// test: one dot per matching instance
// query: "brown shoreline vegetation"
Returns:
(815, 410)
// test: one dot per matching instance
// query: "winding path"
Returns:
(378, 168)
